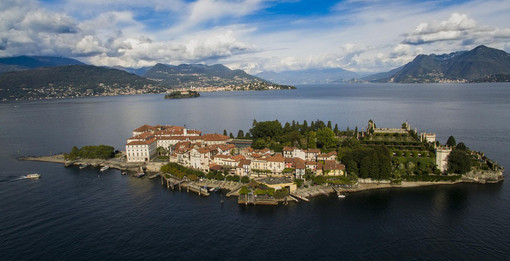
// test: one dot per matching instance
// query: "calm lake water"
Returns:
(72, 214)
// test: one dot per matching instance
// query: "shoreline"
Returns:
(301, 194)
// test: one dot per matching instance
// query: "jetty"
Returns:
(172, 181)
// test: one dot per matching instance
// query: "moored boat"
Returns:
(83, 166)
(139, 175)
(33, 176)
(340, 195)
(104, 168)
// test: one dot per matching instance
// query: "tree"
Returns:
(351, 143)
(74, 153)
(271, 129)
(462, 146)
(258, 144)
(336, 128)
(240, 134)
(329, 125)
(458, 162)
(225, 132)
(312, 140)
(245, 179)
(231, 135)
(451, 142)
(326, 138)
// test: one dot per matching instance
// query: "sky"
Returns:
(254, 35)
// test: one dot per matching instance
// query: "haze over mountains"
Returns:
(311, 76)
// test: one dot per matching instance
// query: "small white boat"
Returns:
(83, 166)
(105, 168)
(340, 195)
(139, 175)
(33, 176)
(124, 173)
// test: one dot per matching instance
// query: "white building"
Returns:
(141, 150)
(442, 154)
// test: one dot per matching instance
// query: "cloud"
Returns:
(459, 27)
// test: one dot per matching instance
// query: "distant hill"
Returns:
(311, 76)
(199, 75)
(72, 81)
(19, 63)
(480, 64)
(138, 71)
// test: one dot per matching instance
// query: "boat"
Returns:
(340, 195)
(214, 189)
(139, 174)
(124, 173)
(33, 176)
(83, 166)
(104, 168)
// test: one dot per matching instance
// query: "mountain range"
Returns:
(482, 64)
(38, 77)
(199, 75)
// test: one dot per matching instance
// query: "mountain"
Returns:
(480, 64)
(138, 71)
(311, 76)
(199, 75)
(72, 81)
(19, 63)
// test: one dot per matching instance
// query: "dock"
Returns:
(172, 182)
(251, 199)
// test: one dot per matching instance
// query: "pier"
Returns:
(172, 182)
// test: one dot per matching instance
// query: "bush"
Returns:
(299, 182)
(245, 179)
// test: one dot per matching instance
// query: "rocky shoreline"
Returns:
(303, 194)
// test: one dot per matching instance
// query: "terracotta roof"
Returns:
(203, 150)
(144, 128)
(277, 158)
(215, 166)
(215, 137)
(286, 148)
(333, 165)
(313, 151)
(243, 163)
(238, 157)
(299, 165)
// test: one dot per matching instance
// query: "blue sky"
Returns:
(254, 35)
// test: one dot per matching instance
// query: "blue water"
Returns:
(72, 214)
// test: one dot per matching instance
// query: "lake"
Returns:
(72, 214)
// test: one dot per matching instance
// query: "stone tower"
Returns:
(442, 157)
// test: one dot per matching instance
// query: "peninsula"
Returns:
(277, 163)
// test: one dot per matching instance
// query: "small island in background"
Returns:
(182, 94)
(274, 163)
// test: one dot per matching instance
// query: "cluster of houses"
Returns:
(206, 152)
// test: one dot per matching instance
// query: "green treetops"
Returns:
(451, 142)
(459, 162)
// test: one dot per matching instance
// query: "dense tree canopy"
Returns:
(365, 162)
(91, 152)
(458, 162)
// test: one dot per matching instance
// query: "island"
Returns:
(275, 163)
(182, 94)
